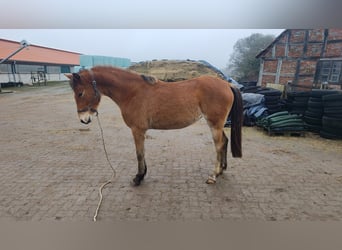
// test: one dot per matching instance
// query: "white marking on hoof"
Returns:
(211, 180)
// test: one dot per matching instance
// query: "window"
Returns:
(335, 72)
(325, 70)
(5, 68)
(330, 71)
(53, 69)
(65, 69)
(28, 68)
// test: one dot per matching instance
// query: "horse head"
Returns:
(86, 95)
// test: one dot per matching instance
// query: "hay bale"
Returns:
(175, 70)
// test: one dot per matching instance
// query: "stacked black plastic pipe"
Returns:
(314, 112)
(297, 102)
(332, 116)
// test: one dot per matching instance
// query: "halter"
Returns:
(97, 94)
(93, 82)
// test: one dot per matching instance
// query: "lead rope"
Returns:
(110, 164)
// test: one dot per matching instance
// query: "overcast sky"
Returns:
(212, 45)
(156, 29)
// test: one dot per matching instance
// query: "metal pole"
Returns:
(23, 45)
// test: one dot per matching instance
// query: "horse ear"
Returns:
(69, 76)
(76, 77)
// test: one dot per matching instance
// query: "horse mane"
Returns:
(129, 74)
(149, 79)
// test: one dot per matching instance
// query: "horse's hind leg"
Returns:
(139, 139)
(221, 142)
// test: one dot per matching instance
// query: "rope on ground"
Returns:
(110, 164)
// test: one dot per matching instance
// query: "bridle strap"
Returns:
(93, 82)
(88, 109)
(97, 94)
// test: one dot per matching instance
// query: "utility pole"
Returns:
(23, 45)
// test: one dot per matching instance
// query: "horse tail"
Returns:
(236, 114)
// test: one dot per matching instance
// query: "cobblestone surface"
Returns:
(51, 167)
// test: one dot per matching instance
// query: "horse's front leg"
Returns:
(139, 139)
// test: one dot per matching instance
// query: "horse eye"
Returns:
(80, 94)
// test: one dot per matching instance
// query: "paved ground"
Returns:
(51, 167)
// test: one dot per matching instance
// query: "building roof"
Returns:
(38, 54)
(264, 52)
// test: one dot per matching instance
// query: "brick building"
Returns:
(304, 57)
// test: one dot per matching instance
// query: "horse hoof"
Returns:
(211, 180)
(138, 178)
(136, 182)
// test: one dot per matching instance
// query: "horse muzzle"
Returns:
(86, 121)
(86, 114)
(85, 117)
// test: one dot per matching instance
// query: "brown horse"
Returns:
(147, 103)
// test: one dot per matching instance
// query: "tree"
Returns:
(243, 66)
